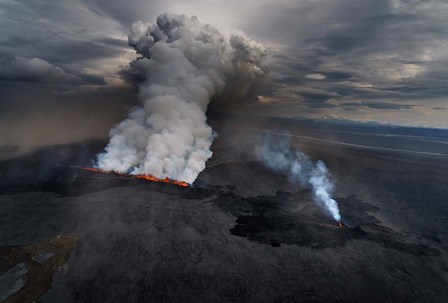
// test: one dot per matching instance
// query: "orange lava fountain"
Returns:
(146, 177)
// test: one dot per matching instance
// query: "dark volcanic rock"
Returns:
(240, 234)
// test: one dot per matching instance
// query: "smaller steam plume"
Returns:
(277, 153)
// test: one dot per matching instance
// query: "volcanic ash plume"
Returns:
(277, 153)
(183, 65)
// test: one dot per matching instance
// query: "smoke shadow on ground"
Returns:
(265, 220)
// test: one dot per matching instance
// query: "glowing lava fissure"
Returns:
(145, 177)
(341, 224)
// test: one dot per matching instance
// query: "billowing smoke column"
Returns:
(183, 64)
(277, 153)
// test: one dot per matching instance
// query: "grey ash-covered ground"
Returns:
(242, 233)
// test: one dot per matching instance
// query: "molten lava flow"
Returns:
(146, 177)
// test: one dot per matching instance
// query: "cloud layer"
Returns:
(379, 60)
(361, 58)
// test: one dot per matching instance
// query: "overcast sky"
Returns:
(366, 60)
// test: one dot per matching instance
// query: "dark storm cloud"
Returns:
(126, 12)
(337, 75)
(397, 47)
(377, 105)
(316, 95)
(62, 33)
(92, 79)
(21, 69)
(33, 70)
(64, 50)
(58, 80)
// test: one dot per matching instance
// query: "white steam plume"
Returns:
(183, 63)
(277, 153)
